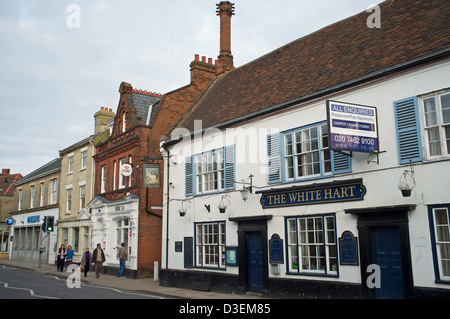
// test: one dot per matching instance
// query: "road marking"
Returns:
(6, 285)
(114, 289)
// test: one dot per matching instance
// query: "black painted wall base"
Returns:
(280, 288)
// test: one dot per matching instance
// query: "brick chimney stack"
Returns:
(202, 72)
(225, 10)
(101, 119)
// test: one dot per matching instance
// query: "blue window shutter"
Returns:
(229, 167)
(189, 176)
(341, 163)
(408, 130)
(273, 152)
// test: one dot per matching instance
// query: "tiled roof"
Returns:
(340, 54)
(6, 182)
(47, 169)
(141, 101)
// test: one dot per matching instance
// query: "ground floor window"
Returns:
(210, 244)
(4, 241)
(440, 229)
(312, 244)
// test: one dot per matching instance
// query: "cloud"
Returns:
(53, 78)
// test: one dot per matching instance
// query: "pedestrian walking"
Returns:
(86, 261)
(98, 258)
(69, 256)
(60, 258)
(123, 256)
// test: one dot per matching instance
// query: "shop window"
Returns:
(440, 230)
(210, 245)
(312, 245)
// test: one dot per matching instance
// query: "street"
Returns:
(16, 283)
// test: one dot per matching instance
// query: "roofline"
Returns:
(441, 54)
(29, 177)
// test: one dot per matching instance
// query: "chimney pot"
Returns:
(102, 108)
(110, 110)
(210, 60)
(5, 171)
(197, 57)
(203, 59)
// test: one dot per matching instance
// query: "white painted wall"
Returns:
(433, 184)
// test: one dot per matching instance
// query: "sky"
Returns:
(62, 60)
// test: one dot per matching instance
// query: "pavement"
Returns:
(146, 285)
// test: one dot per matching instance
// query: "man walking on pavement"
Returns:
(123, 256)
(98, 257)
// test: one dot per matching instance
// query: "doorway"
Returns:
(253, 254)
(388, 255)
(384, 241)
(255, 262)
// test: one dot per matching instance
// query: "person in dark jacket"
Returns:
(60, 258)
(98, 258)
(86, 261)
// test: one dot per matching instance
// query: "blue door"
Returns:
(255, 261)
(387, 255)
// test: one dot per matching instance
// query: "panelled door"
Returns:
(387, 254)
(255, 261)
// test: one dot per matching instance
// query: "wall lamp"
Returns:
(247, 189)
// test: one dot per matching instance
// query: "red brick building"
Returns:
(127, 206)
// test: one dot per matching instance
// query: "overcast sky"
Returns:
(56, 70)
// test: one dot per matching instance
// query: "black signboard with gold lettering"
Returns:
(341, 191)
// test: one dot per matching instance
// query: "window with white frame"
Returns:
(54, 191)
(19, 207)
(123, 229)
(70, 164)
(441, 228)
(312, 245)
(103, 179)
(306, 152)
(82, 196)
(32, 196)
(83, 159)
(436, 119)
(122, 178)
(68, 200)
(210, 171)
(210, 244)
(41, 199)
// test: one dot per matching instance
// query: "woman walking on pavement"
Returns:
(60, 257)
(98, 257)
(69, 256)
(86, 261)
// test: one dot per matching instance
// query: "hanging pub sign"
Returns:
(340, 191)
(151, 176)
(352, 127)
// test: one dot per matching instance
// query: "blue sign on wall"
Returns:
(350, 190)
(348, 249)
(33, 219)
(276, 250)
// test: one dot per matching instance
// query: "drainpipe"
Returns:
(167, 205)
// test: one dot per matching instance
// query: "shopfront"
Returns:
(113, 223)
